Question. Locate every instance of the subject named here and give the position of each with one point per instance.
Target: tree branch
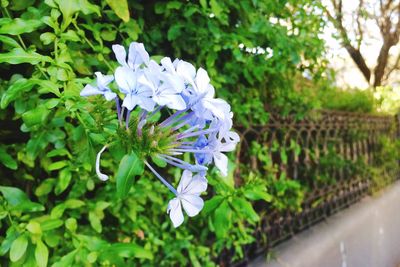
(354, 53)
(389, 39)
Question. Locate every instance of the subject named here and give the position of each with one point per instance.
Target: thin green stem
(56, 49)
(18, 36)
(81, 120)
(91, 45)
(23, 43)
(108, 64)
(9, 218)
(43, 73)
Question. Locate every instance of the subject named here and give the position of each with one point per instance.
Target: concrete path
(365, 235)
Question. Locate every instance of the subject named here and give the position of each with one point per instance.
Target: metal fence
(336, 150)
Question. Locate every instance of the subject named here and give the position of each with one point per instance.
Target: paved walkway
(365, 235)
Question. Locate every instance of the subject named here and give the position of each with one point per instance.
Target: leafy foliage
(53, 209)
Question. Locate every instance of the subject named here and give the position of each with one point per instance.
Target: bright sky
(348, 74)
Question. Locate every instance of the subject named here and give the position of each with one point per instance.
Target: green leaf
(34, 227)
(41, 254)
(174, 5)
(18, 200)
(63, 181)
(120, 7)
(7, 160)
(216, 8)
(245, 209)
(51, 103)
(18, 248)
(21, 5)
(67, 260)
(50, 224)
(35, 116)
(36, 145)
(212, 204)
(74, 203)
(222, 219)
(129, 167)
(203, 4)
(58, 210)
(70, 35)
(88, 8)
(15, 90)
(95, 221)
(18, 26)
(58, 152)
(19, 55)
(45, 187)
(174, 31)
(109, 35)
(128, 250)
(283, 155)
(9, 41)
(48, 87)
(71, 224)
(12, 234)
(257, 194)
(57, 165)
(92, 257)
(47, 38)
(68, 8)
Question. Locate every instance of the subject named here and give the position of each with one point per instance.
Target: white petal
(221, 162)
(192, 204)
(161, 100)
(126, 79)
(130, 101)
(103, 80)
(197, 185)
(228, 146)
(233, 136)
(137, 55)
(202, 80)
(144, 91)
(185, 180)
(167, 64)
(101, 176)
(175, 212)
(173, 83)
(220, 108)
(144, 81)
(175, 102)
(146, 103)
(89, 90)
(175, 62)
(210, 91)
(120, 54)
(110, 95)
(186, 70)
(203, 112)
(154, 67)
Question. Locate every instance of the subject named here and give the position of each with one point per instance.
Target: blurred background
(314, 88)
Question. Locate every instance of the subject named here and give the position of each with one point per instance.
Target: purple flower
(102, 87)
(200, 125)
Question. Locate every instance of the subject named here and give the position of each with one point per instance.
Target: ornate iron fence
(329, 153)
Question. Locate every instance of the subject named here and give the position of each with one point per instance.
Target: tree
(355, 29)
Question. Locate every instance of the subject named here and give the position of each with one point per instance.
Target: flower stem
(170, 119)
(128, 115)
(170, 187)
(186, 135)
(118, 108)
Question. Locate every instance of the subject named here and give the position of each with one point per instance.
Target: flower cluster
(200, 124)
